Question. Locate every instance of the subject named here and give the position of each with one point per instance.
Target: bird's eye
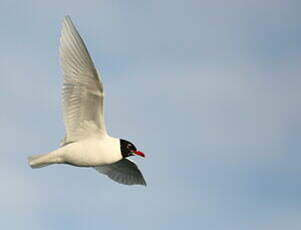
(129, 146)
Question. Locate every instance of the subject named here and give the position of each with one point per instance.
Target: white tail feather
(38, 161)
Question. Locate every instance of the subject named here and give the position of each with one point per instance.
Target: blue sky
(209, 90)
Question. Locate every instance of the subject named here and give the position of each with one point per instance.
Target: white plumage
(87, 143)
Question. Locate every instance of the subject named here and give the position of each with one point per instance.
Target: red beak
(139, 153)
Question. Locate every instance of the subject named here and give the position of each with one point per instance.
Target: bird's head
(128, 149)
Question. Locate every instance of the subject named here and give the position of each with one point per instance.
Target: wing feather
(124, 172)
(82, 89)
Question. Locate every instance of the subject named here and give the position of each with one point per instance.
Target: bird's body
(90, 152)
(87, 143)
(93, 151)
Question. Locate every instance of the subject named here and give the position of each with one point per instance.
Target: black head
(128, 149)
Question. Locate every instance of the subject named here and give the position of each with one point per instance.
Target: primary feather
(82, 90)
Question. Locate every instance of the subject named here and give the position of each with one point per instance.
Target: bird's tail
(38, 161)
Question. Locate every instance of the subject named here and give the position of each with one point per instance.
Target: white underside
(90, 152)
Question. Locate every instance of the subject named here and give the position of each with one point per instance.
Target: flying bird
(87, 143)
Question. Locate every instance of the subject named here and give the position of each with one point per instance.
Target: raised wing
(82, 89)
(123, 172)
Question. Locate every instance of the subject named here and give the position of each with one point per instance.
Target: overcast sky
(209, 90)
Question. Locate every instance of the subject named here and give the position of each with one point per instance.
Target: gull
(87, 142)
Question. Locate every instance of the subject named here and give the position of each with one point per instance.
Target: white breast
(93, 151)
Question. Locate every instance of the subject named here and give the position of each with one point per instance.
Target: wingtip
(143, 183)
(67, 21)
(67, 17)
